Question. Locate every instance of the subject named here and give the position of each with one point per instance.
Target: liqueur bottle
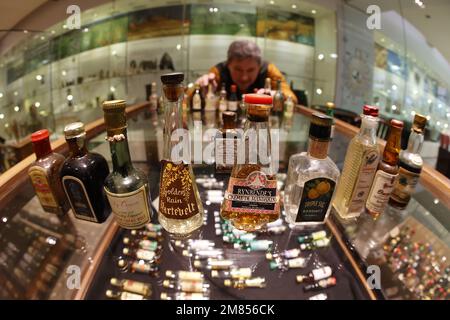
(360, 165)
(410, 164)
(126, 187)
(251, 199)
(289, 107)
(139, 266)
(210, 99)
(315, 275)
(123, 295)
(226, 143)
(187, 285)
(312, 177)
(196, 104)
(387, 172)
(144, 289)
(83, 174)
(278, 101)
(185, 275)
(233, 99)
(180, 208)
(223, 104)
(45, 174)
(258, 282)
(268, 86)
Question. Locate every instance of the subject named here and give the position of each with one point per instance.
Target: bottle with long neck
(126, 187)
(410, 164)
(387, 171)
(233, 99)
(180, 208)
(278, 101)
(196, 102)
(82, 177)
(360, 165)
(223, 104)
(210, 100)
(268, 86)
(44, 174)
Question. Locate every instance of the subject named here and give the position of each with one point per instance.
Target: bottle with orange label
(252, 199)
(44, 174)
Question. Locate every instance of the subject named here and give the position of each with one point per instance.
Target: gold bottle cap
(169, 273)
(164, 296)
(74, 130)
(121, 263)
(419, 123)
(114, 281)
(115, 118)
(227, 283)
(330, 105)
(126, 240)
(197, 264)
(186, 253)
(269, 256)
(166, 283)
(126, 250)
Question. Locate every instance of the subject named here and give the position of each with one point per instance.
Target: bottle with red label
(251, 199)
(45, 174)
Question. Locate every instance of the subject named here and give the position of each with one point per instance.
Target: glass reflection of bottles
(210, 100)
(227, 143)
(360, 165)
(126, 187)
(253, 177)
(278, 101)
(45, 174)
(223, 104)
(312, 177)
(82, 177)
(196, 104)
(383, 183)
(132, 286)
(180, 208)
(233, 100)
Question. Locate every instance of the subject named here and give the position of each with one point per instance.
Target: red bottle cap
(258, 99)
(233, 88)
(40, 135)
(396, 123)
(370, 111)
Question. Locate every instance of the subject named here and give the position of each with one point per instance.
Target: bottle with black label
(82, 176)
(311, 177)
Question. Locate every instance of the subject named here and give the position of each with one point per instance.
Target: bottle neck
(77, 146)
(318, 149)
(258, 143)
(120, 154)
(393, 146)
(369, 129)
(415, 142)
(42, 148)
(173, 119)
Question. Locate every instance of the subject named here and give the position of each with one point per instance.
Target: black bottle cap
(320, 128)
(172, 78)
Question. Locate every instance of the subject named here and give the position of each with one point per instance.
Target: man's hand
(206, 79)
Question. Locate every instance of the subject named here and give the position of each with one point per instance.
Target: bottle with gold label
(311, 177)
(410, 165)
(44, 174)
(144, 289)
(180, 208)
(126, 187)
(82, 177)
(383, 183)
(360, 165)
(251, 199)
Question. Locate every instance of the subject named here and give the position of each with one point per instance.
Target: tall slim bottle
(180, 208)
(360, 165)
(410, 164)
(126, 187)
(278, 101)
(44, 174)
(387, 171)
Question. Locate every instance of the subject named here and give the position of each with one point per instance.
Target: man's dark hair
(243, 49)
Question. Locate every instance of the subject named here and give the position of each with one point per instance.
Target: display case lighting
(5, 219)
(63, 73)
(394, 107)
(178, 46)
(446, 126)
(37, 104)
(1, 95)
(333, 55)
(42, 38)
(294, 6)
(112, 89)
(448, 115)
(394, 87)
(428, 118)
(313, 11)
(413, 113)
(429, 101)
(39, 77)
(438, 123)
(319, 91)
(85, 29)
(16, 93)
(2, 116)
(16, 108)
(70, 97)
(321, 56)
(6, 125)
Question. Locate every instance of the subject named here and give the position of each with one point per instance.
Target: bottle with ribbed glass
(126, 187)
(410, 165)
(180, 208)
(360, 165)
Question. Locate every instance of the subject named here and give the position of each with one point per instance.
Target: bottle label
(225, 152)
(364, 181)
(148, 245)
(191, 286)
(382, 187)
(255, 195)
(223, 105)
(136, 287)
(145, 255)
(177, 195)
(131, 210)
(190, 275)
(315, 201)
(196, 102)
(41, 186)
(232, 105)
(130, 296)
(404, 185)
(322, 273)
(141, 267)
(297, 263)
(78, 198)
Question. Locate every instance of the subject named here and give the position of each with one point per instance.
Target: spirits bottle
(322, 284)
(126, 187)
(45, 174)
(227, 143)
(289, 107)
(278, 101)
(361, 162)
(233, 99)
(286, 264)
(268, 86)
(144, 234)
(196, 104)
(144, 289)
(410, 165)
(139, 266)
(330, 113)
(183, 296)
(223, 104)
(246, 283)
(123, 295)
(150, 245)
(83, 174)
(236, 273)
(187, 285)
(141, 254)
(185, 275)
(312, 177)
(214, 264)
(251, 199)
(318, 235)
(153, 98)
(210, 100)
(315, 275)
(287, 254)
(316, 244)
(255, 245)
(387, 172)
(180, 208)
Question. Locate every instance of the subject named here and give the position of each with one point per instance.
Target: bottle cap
(233, 88)
(126, 250)
(419, 123)
(186, 253)
(109, 293)
(114, 281)
(74, 130)
(172, 78)
(166, 283)
(370, 111)
(269, 256)
(197, 264)
(227, 283)
(214, 274)
(122, 263)
(126, 240)
(320, 127)
(396, 123)
(40, 135)
(115, 118)
(300, 278)
(169, 273)
(164, 296)
(330, 105)
(258, 99)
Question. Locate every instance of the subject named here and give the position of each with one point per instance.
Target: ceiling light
(37, 104)
(313, 11)
(39, 77)
(16, 108)
(319, 91)
(2, 116)
(294, 6)
(70, 97)
(321, 56)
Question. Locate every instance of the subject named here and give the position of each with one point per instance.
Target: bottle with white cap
(315, 275)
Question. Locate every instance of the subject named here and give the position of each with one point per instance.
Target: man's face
(243, 72)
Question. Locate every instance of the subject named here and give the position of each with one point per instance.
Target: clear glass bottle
(360, 165)
(210, 100)
(196, 103)
(278, 101)
(233, 100)
(226, 143)
(251, 199)
(387, 172)
(311, 177)
(45, 174)
(268, 86)
(83, 174)
(223, 104)
(289, 107)
(144, 289)
(410, 165)
(180, 208)
(126, 187)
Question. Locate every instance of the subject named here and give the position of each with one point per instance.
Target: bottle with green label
(312, 177)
